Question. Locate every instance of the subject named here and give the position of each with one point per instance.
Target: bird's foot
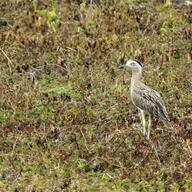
(147, 137)
(143, 132)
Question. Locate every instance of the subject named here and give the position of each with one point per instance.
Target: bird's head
(134, 65)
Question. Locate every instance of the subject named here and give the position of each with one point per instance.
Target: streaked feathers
(146, 99)
(149, 101)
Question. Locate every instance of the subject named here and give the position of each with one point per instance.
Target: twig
(118, 147)
(155, 150)
(14, 145)
(62, 68)
(84, 139)
(9, 61)
(84, 124)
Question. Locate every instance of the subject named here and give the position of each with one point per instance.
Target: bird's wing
(150, 101)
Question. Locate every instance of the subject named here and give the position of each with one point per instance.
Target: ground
(67, 122)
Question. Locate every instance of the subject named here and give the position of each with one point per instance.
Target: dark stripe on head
(138, 62)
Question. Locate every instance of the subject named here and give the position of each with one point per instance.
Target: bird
(146, 100)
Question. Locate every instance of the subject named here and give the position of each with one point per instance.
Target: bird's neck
(136, 76)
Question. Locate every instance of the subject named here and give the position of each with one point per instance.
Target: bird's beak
(121, 66)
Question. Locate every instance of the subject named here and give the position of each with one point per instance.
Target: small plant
(53, 20)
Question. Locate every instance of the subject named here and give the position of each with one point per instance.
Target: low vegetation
(66, 119)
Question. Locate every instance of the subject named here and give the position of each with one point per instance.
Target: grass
(66, 117)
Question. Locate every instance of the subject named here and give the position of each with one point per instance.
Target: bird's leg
(143, 122)
(149, 127)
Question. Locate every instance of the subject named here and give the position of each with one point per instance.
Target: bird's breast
(135, 99)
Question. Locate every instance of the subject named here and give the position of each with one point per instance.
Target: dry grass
(67, 122)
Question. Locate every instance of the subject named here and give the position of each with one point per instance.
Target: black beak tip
(121, 66)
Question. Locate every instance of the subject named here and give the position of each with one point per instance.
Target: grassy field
(66, 118)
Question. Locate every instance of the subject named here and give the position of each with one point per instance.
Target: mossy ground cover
(66, 117)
